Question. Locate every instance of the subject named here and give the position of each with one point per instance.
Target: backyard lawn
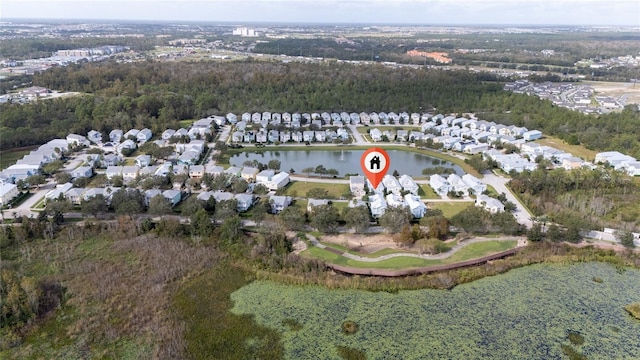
(300, 188)
(449, 209)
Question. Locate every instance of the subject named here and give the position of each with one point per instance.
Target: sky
(427, 12)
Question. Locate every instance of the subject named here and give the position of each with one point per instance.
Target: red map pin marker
(375, 163)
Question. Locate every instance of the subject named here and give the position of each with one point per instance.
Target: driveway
(500, 184)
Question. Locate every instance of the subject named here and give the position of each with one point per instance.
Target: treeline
(581, 198)
(158, 94)
(20, 49)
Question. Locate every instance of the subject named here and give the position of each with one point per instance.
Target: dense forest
(158, 94)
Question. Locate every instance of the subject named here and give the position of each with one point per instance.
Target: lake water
(345, 161)
(526, 313)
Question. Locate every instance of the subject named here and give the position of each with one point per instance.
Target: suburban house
(174, 196)
(392, 184)
(356, 185)
(222, 196)
(316, 202)
(74, 195)
(456, 184)
(376, 134)
(572, 162)
(264, 176)
(532, 135)
(474, 184)
(408, 184)
(490, 204)
(94, 136)
(129, 173)
(113, 171)
(279, 203)
(131, 134)
(143, 160)
(196, 171)
(7, 193)
(439, 184)
(377, 205)
(77, 140)
(115, 135)
(278, 181)
(244, 202)
(416, 206)
(82, 172)
(249, 173)
(233, 170)
(613, 158)
(55, 193)
(395, 200)
(128, 144)
(144, 135)
(168, 134)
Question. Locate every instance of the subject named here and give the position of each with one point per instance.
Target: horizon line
(233, 22)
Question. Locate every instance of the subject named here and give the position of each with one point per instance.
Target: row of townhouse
(619, 161)
(31, 164)
(378, 204)
(77, 195)
(466, 184)
(325, 118)
(389, 184)
(272, 136)
(244, 201)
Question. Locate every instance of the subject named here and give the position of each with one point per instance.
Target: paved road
(358, 139)
(521, 242)
(25, 208)
(500, 184)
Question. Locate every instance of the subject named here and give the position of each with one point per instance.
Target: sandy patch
(363, 243)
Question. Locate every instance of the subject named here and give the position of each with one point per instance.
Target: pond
(527, 313)
(345, 161)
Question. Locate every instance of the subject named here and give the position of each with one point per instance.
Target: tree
(63, 177)
(259, 212)
(404, 238)
(395, 218)
(127, 202)
(159, 205)
(226, 209)
(307, 171)
(572, 234)
(94, 205)
(535, 233)
(292, 218)
(554, 233)
(472, 219)
(239, 185)
(625, 238)
(56, 209)
(191, 206)
(357, 218)
(230, 230)
(274, 164)
(318, 193)
(260, 189)
(325, 218)
(36, 180)
(438, 226)
(201, 224)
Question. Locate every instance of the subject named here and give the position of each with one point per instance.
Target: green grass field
(300, 188)
(450, 209)
(575, 150)
(427, 192)
(471, 251)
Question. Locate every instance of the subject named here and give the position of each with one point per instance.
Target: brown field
(617, 89)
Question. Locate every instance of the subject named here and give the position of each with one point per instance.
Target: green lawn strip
(186, 123)
(449, 209)
(300, 188)
(480, 249)
(472, 251)
(9, 157)
(366, 129)
(427, 192)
